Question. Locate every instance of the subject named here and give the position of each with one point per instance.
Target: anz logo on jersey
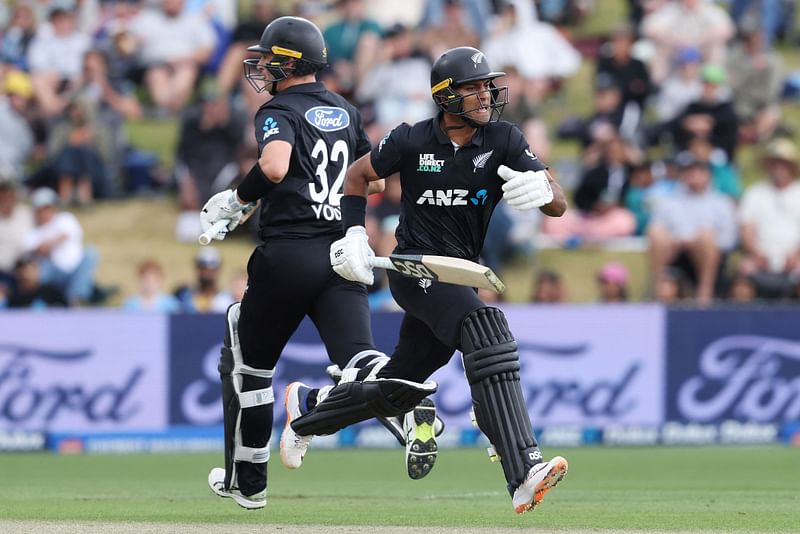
(452, 197)
(327, 118)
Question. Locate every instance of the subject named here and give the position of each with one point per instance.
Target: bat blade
(446, 269)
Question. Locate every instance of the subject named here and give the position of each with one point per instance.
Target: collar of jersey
(312, 87)
(476, 140)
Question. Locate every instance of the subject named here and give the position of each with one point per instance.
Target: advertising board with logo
(733, 365)
(82, 371)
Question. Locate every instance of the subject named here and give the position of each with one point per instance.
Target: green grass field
(733, 489)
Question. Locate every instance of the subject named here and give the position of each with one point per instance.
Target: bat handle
(206, 237)
(382, 262)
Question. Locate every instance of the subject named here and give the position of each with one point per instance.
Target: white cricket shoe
(294, 446)
(419, 426)
(541, 478)
(216, 481)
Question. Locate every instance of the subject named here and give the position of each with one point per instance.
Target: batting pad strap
(242, 369)
(257, 397)
(254, 455)
(365, 357)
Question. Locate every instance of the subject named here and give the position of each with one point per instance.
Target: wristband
(255, 185)
(354, 211)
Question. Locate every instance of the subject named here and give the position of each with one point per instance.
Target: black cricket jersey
(449, 194)
(327, 135)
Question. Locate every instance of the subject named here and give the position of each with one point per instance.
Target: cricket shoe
(216, 481)
(541, 478)
(293, 445)
(421, 448)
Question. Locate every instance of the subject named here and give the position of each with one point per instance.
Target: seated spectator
(770, 17)
(670, 286)
(16, 222)
(150, 296)
(630, 74)
(74, 147)
(29, 291)
(548, 288)
(681, 23)
(354, 43)
(205, 296)
(742, 289)
(599, 214)
(607, 118)
(693, 230)
(711, 117)
(680, 88)
(649, 184)
(17, 36)
(770, 223)
(518, 35)
(173, 46)
(108, 103)
(477, 14)
(17, 141)
(519, 107)
(451, 31)
(724, 174)
(399, 84)
(57, 244)
(612, 283)
(229, 79)
(114, 38)
(208, 143)
(756, 77)
(55, 57)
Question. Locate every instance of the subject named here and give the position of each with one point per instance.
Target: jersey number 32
(323, 192)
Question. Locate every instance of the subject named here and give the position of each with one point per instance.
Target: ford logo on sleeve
(328, 119)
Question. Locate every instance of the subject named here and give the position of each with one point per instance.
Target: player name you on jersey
(428, 163)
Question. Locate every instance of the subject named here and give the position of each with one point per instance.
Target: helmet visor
(482, 106)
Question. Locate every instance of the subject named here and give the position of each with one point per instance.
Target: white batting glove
(525, 190)
(350, 256)
(223, 206)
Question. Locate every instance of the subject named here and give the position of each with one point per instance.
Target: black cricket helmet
(297, 47)
(458, 66)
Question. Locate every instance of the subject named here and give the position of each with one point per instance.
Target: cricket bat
(442, 268)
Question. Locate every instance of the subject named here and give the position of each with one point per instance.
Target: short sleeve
(520, 157)
(386, 157)
(362, 141)
(274, 125)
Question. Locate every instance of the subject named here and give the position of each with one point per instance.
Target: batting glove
(351, 255)
(223, 206)
(525, 190)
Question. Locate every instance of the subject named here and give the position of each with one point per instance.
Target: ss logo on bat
(412, 268)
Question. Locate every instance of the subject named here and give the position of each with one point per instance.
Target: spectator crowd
(676, 90)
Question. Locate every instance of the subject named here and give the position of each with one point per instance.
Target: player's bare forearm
(360, 178)
(558, 205)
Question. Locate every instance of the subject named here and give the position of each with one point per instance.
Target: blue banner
(195, 342)
(740, 365)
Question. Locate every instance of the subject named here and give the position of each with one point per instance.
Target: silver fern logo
(425, 283)
(477, 58)
(480, 160)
